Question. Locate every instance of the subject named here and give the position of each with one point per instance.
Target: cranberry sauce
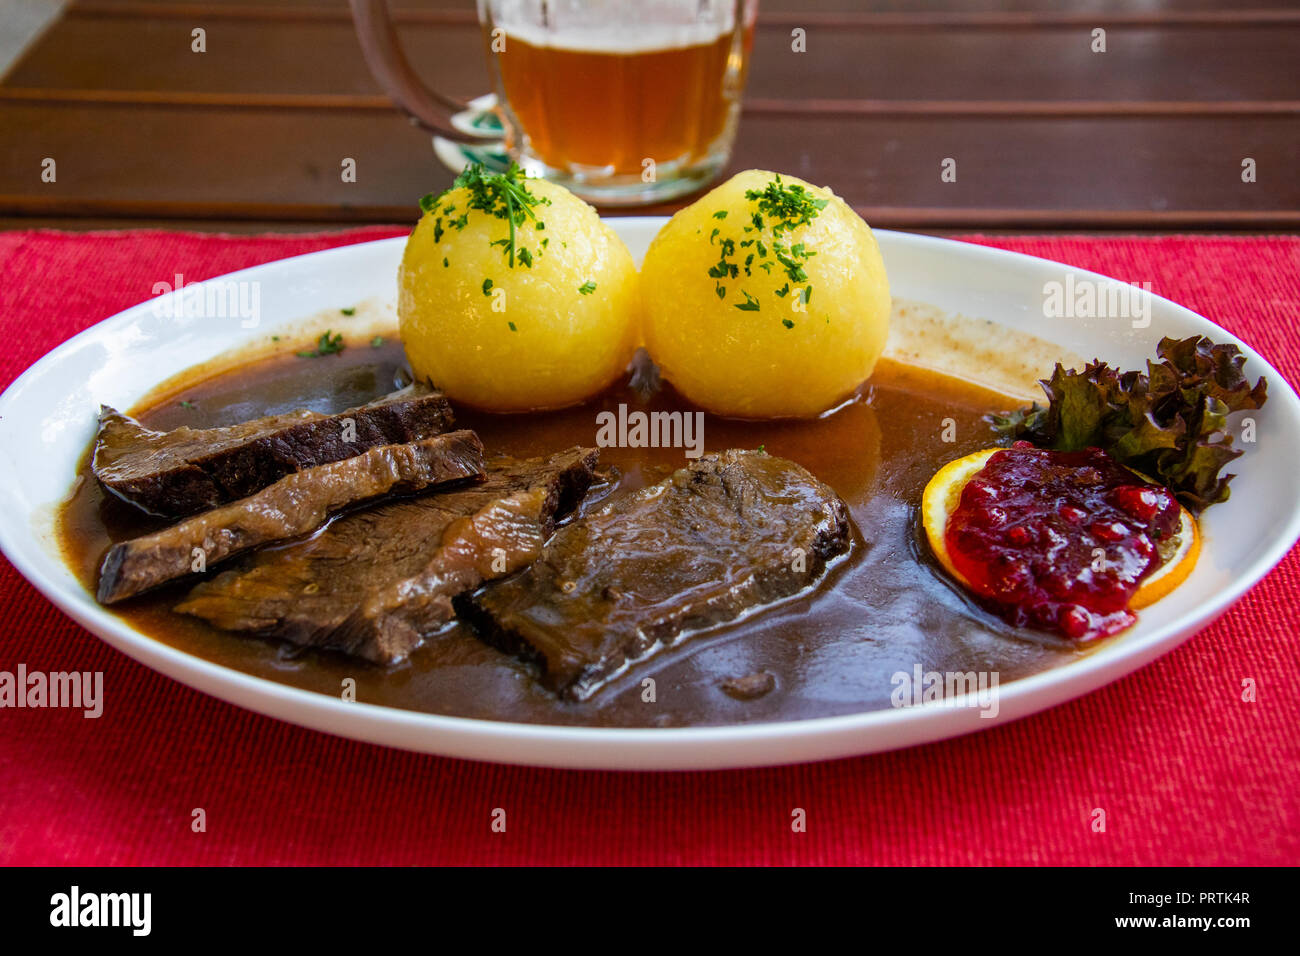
(1059, 540)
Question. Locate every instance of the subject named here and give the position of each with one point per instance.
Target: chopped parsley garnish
(501, 195)
(512, 327)
(327, 344)
(781, 209)
(377, 342)
(788, 206)
(350, 311)
(793, 267)
(587, 288)
(787, 323)
(185, 403)
(487, 286)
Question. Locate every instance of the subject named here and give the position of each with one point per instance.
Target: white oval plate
(47, 418)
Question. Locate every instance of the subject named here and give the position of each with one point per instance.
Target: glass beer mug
(621, 101)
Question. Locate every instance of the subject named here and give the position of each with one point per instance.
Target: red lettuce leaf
(1169, 423)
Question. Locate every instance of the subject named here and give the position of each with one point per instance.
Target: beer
(623, 102)
(605, 102)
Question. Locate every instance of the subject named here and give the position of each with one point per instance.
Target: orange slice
(943, 493)
(1179, 564)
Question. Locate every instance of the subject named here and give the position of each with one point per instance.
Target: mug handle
(393, 72)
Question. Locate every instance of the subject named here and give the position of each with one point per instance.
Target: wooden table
(1047, 134)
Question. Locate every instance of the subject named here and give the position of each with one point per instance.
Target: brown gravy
(882, 610)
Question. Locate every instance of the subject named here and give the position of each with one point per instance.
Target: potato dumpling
(766, 298)
(513, 295)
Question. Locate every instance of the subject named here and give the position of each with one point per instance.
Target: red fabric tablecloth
(1186, 772)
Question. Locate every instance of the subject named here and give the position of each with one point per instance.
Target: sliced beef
(376, 583)
(732, 532)
(187, 470)
(293, 506)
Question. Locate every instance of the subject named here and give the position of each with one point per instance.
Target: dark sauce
(883, 610)
(1060, 540)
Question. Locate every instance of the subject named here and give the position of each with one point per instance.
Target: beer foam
(618, 39)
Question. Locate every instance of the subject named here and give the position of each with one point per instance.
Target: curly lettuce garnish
(1169, 423)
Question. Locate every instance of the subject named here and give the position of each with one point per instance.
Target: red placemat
(1186, 771)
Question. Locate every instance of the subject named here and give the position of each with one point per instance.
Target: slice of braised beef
(293, 506)
(377, 582)
(731, 532)
(181, 472)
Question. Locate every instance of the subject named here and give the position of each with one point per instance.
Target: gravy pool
(881, 611)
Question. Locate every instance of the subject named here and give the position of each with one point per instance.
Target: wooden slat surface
(1046, 133)
(1036, 8)
(1184, 65)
